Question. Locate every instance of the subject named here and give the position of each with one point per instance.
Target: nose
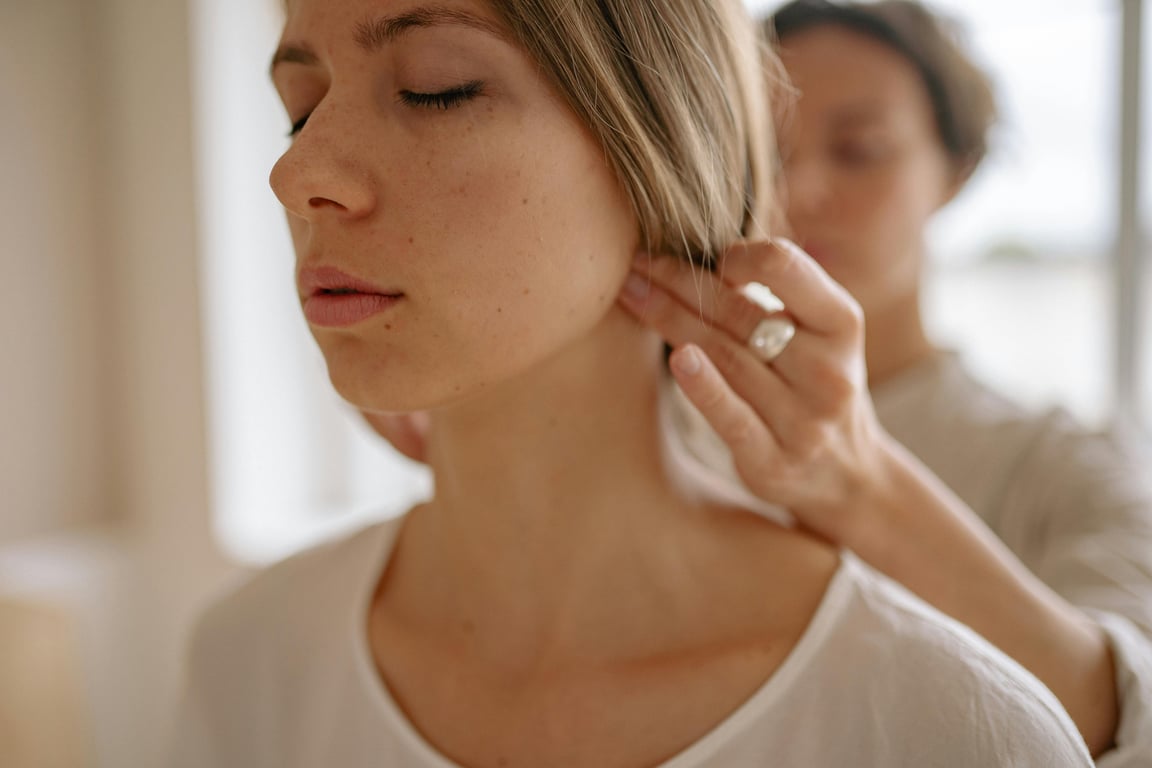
(323, 173)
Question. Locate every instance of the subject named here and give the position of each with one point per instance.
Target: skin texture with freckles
(458, 208)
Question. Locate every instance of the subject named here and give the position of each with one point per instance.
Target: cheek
(888, 206)
(524, 236)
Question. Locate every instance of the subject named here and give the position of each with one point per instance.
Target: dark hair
(961, 94)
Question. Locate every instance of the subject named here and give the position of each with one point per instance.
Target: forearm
(917, 532)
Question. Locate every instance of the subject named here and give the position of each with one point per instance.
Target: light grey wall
(55, 461)
(104, 501)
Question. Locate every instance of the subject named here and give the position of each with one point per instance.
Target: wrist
(875, 502)
(1095, 705)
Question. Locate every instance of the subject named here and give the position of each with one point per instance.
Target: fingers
(816, 301)
(813, 299)
(792, 423)
(704, 309)
(715, 302)
(730, 415)
(814, 377)
(766, 394)
(683, 312)
(829, 321)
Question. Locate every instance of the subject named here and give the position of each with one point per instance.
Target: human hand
(406, 432)
(801, 427)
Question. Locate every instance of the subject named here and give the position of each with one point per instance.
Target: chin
(373, 379)
(394, 384)
(382, 395)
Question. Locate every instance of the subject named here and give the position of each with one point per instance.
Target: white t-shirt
(280, 676)
(1074, 506)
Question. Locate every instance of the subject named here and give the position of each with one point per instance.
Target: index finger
(813, 298)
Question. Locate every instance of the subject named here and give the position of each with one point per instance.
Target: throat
(895, 339)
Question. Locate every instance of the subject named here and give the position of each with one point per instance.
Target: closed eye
(453, 97)
(443, 100)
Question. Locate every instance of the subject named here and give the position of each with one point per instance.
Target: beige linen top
(1073, 505)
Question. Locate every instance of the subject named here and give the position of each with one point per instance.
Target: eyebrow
(373, 34)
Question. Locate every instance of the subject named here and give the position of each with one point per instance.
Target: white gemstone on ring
(762, 296)
(770, 337)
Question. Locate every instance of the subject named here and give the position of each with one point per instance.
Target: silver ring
(770, 337)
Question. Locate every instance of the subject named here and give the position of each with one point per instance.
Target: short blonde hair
(675, 91)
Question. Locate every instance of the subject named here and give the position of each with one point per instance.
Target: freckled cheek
(486, 222)
(500, 197)
(475, 230)
(456, 191)
(515, 237)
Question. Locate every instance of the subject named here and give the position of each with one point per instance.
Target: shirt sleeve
(1084, 508)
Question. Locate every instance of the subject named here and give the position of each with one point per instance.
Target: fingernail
(687, 361)
(636, 287)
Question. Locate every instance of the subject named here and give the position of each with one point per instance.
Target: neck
(559, 450)
(894, 338)
(553, 515)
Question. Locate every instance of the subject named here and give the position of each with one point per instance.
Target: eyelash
(441, 100)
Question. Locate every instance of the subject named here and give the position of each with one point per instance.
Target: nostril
(323, 202)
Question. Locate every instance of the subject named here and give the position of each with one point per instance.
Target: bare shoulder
(780, 575)
(781, 547)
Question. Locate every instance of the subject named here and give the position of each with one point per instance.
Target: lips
(334, 299)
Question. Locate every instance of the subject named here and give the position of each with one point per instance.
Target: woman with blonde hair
(471, 188)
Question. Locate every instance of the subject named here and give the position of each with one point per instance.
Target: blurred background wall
(54, 336)
(104, 520)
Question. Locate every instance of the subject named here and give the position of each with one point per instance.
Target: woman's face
(455, 224)
(864, 168)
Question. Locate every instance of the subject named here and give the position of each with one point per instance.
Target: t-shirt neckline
(836, 595)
